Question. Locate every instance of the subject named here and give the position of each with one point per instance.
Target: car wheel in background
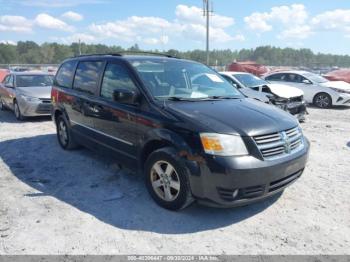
(322, 100)
(18, 113)
(64, 134)
(2, 106)
(166, 179)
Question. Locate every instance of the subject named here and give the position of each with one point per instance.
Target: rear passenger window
(116, 77)
(275, 77)
(64, 76)
(87, 76)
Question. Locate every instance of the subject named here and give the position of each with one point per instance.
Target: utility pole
(79, 47)
(207, 12)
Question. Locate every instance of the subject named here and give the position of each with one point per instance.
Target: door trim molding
(102, 133)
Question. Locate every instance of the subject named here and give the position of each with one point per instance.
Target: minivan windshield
(33, 80)
(182, 80)
(249, 80)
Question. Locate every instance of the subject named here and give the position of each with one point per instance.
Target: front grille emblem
(287, 144)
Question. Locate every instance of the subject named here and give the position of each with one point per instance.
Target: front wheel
(166, 179)
(18, 113)
(323, 100)
(2, 106)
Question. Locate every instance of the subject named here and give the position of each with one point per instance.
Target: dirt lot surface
(57, 202)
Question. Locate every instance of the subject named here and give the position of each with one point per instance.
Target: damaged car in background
(285, 97)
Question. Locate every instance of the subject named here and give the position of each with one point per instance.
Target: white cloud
(189, 24)
(73, 16)
(285, 16)
(297, 32)
(8, 42)
(132, 28)
(18, 24)
(49, 22)
(86, 38)
(258, 22)
(59, 3)
(194, 15)
(338, 19)
(239, 37)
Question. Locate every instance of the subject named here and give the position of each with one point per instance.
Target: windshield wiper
(176, 98)
(222, 97)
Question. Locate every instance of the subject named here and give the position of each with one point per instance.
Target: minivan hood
(245, 117)
(36, 91)
(285, 91)
(337, 84)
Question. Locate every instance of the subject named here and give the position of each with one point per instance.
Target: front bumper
(40, 108)
(343, 99)
(229, 182)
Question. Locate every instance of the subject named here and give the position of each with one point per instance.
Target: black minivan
(193, 135)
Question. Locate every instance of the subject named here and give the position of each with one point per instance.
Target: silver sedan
(27, 94)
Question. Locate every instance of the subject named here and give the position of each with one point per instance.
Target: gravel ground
(57, 202)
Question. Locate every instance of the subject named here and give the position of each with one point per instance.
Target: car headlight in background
(223, 145)
(30, 98)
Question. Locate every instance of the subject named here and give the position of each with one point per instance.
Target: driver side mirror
(9, 86)
(308, 82)
(125, 96)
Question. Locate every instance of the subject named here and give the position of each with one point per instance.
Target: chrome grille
(280, 144)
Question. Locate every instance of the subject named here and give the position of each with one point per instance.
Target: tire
(166, 179)
(322, 100)
(17, 112)
(2, 106)
(64, 134)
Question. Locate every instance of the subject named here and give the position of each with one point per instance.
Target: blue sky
(323, 26)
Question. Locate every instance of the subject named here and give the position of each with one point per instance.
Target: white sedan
(317, 89)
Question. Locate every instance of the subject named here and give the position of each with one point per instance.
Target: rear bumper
(229, 182)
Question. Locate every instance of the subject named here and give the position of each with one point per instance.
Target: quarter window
(115, 77)
(64, 77)
(87, 76)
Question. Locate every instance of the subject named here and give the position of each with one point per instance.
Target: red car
(3, 74)
(339, 75)
(248, 67)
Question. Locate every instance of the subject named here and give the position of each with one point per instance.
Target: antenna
(208, 10)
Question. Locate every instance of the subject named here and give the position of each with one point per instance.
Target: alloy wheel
(63, 132)
(322, 101)
(165, 181)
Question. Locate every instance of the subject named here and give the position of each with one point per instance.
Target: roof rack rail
(146, 53)
(111, 54)
(121, 53)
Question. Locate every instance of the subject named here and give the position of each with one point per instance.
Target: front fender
(167, 137)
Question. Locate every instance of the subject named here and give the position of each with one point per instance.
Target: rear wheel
(167, 179)
(18, 113)
(64, 134)
(323, 100)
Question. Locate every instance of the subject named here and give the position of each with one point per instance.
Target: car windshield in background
(250, 80)
(33, 80)
(315, 78)
(171, 79)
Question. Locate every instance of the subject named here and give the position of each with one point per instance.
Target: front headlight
(30, 98)
(341, 91)
(223, 145)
